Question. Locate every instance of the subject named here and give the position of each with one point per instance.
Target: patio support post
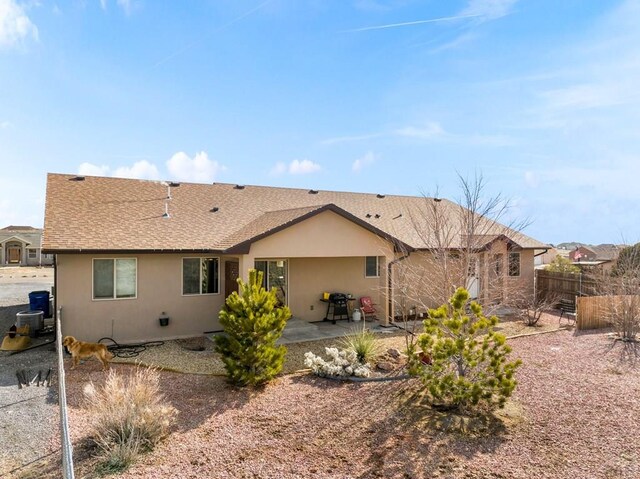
(246, 262)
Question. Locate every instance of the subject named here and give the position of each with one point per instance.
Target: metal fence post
(65, 440)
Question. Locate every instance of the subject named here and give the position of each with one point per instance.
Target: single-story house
(130, 251)
(20, 246)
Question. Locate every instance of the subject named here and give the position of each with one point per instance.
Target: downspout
(390, 285)
(535, 275)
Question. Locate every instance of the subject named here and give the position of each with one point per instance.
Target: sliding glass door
(275, 273)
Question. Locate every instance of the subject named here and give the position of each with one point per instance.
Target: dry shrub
(128, 416)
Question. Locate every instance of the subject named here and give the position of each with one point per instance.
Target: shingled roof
(114, 214)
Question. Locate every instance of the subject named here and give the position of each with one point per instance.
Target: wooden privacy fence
(564, 285)
(594, 312)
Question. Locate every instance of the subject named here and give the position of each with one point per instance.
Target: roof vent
(77, 178)
(377, 215)
(380, 196)
(238, 187)
(173, 184)
(368, 215)
(396, 217)
(437, 200)
(313, 192)
(215, 209)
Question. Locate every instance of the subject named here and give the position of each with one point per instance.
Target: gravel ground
(574, 414)
(28, 416)
(196, 355)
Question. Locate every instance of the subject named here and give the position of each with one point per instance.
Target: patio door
(275, 275)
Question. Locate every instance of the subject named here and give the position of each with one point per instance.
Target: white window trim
(35, 253)
(191, 295)
(93, 298)
(377, 267)
(509, 265)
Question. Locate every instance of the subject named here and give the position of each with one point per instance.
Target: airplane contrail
(417, 22)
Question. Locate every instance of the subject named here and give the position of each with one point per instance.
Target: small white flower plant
(341, 363)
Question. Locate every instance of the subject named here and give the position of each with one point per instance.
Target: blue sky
(542, 97)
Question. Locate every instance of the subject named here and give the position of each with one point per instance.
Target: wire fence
(65, 440)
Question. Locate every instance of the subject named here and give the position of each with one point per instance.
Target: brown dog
(81, 350)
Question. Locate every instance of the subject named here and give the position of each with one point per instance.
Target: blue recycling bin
(39, 300)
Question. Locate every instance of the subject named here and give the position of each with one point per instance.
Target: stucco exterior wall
(159, 289)
(326, 235)
(310, 277)
(416, 279)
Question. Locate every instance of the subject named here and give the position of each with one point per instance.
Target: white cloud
(126, 5)
(303, 167)
(199, 169)
(430, 130)
(488, 9)
(15, 25)
(142, 170)
(90, 169)
(278, 169)
(366, 160)
(296, 167)
(4, 124)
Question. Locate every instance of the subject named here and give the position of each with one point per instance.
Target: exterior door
(14, 255)
(472, 279)
(231, 273)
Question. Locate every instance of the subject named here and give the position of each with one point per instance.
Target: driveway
(28, 416)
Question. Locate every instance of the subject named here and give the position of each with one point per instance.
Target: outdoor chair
(568, 310)
(367, 307)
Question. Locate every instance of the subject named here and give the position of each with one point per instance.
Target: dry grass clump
(128, 416)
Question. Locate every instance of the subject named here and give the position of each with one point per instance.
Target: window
(372, 267)
(200, 276)
(32, 253)
(514, 264)
(114, 278)
(275, 275)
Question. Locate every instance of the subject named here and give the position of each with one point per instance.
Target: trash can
(35, 320)
(40, 300)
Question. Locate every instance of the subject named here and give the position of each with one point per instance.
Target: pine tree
(468, 367)
(252, 324)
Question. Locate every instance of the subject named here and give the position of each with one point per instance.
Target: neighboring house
(582, 253)
(595, 259)
(128, 251)
(20, 246)
(546, 257)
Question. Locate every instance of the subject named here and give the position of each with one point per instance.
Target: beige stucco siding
(324, 235)
(326, 253)
(159, 289)
(310, 277)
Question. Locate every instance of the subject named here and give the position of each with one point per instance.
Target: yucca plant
(362, 342)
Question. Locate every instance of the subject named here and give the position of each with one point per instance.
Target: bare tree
(622, 289)
(467, 245)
